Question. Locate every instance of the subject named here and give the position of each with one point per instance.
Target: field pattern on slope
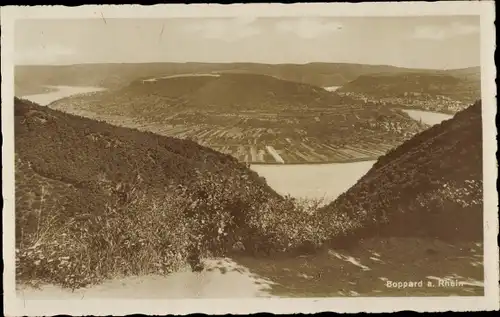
(245, 114)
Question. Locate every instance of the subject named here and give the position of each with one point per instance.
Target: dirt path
(443, 269)
(222, 278)
(366, 269)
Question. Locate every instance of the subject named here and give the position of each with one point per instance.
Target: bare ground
(362, 271)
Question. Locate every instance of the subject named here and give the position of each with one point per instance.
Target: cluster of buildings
(405, 128)
(417, 100)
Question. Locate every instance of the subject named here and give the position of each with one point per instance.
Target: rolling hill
(255, 118)
(234, 92)
(27, 77)
(442, 92)
(430, 186)
(94, 200)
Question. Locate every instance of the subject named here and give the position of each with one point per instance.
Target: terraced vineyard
(255, 118)
(279, 151)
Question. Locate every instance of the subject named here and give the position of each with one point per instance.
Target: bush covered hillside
(95, 200)
(429, 186)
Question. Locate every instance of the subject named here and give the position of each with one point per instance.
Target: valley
(257, 119)
(311, 143)
(307, 174)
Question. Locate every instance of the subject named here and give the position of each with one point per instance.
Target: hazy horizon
(195, 62)
(440, 42)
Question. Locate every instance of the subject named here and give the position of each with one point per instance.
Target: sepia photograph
(207, 153)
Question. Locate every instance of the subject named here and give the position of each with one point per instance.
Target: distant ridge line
(245, 63)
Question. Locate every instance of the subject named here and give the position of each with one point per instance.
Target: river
(226, 278)
(428, 117)
(60, 92)
(315, 181)
(327, 181)
(331, 88)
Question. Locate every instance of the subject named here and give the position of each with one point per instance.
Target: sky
(441, 42)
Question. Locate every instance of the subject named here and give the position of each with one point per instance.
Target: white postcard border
(16, 306)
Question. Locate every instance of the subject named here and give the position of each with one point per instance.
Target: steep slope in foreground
(255, 118)
(429, 186)
(448, 92)
(94, 200)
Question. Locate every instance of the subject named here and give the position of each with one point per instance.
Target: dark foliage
(95, 200)
(98, 195)
(429, 186)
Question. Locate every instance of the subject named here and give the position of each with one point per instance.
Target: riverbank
(327, 162)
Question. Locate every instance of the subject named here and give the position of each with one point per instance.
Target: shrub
(144, 236)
